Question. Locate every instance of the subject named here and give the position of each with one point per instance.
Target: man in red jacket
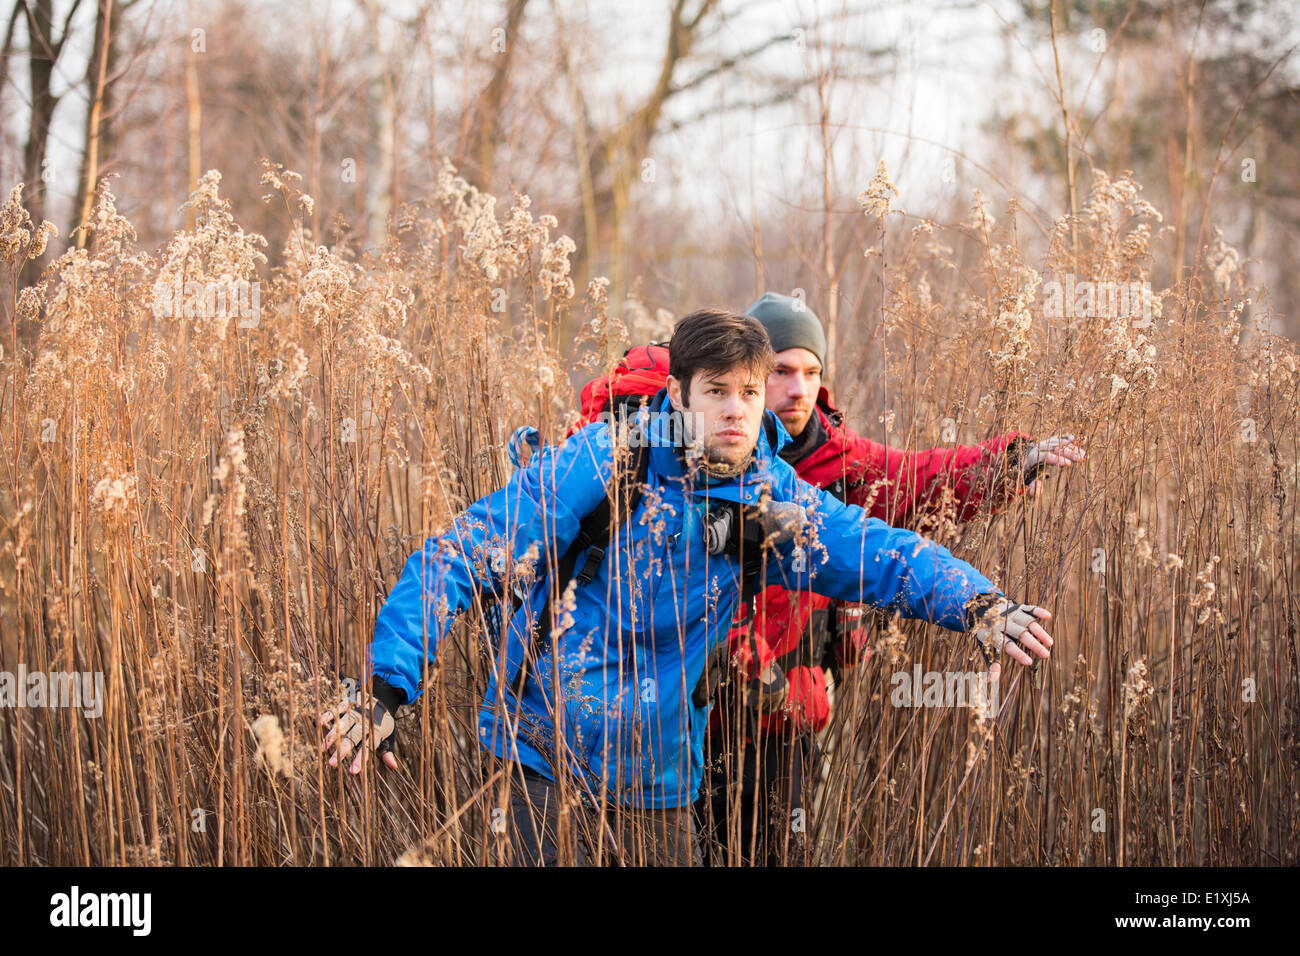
(800, 635)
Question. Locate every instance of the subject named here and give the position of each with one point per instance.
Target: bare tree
(44, 49)
(485, 111)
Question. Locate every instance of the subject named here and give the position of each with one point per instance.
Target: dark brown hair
(715, 340)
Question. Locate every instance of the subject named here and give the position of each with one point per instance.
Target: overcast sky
(949, 66)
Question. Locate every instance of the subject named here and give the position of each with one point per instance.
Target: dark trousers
(584, 835)
(756, 801)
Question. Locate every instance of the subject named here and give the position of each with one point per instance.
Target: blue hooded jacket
(634, 642)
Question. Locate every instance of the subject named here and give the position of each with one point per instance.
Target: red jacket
(911, 486)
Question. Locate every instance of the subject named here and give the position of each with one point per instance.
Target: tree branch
(731, 61)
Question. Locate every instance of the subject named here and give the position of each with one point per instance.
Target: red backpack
(640, 373)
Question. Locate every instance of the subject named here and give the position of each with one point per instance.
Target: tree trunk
(194, 115)
(40, 66)
(487, 126)
(90, 163)
(379, 175)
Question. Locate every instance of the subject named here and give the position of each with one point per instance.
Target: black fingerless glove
(1015, 458)
(388, 695)
(978, 605)
(390, 698)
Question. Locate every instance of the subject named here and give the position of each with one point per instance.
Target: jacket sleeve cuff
(388, 695)
(1015, 454)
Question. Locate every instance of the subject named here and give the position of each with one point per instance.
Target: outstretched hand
(1013, 629)
(352, 731)
(1059, 450)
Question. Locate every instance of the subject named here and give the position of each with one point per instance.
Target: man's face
(792, 388)
(725, 410)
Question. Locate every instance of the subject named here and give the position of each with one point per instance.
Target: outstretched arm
(900, 486)
(539, 511)
(846, 554)
(528, 523)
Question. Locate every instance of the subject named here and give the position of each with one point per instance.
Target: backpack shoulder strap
(598, 527)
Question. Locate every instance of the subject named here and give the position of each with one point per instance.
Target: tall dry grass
(184, 511)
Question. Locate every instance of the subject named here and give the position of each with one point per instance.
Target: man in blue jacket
(591, 700)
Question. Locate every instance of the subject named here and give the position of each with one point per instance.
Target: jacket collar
(826, 407)
(667, 460)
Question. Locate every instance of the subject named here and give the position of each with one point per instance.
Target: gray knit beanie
(790, 324)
